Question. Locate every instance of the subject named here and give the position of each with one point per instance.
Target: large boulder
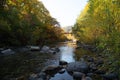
(78, 66)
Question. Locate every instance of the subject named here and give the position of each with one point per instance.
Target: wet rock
(52, 69)
(51, 51)
(63, 63)
(45, 48)
(88, 78)
(78, 75)
(55, 49)
(7, 52)
(78, 66)
(62, 71)
(110, 76)
(34, 48)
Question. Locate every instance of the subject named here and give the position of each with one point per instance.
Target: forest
(99, 25)
(27, 22)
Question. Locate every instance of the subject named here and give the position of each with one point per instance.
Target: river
(68, 53)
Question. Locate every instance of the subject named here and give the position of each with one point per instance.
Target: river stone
(51, 51)
(52, 69)
(7, 52)
(78, 75)
(45, 48)
(88, 78)
(62, 71)
(77, 66)
(34, 48)
(63, 63)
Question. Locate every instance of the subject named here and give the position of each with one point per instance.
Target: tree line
(99, 25)
(27, 22)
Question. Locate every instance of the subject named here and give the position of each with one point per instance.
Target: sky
(65, 11)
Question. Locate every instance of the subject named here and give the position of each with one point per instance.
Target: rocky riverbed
(20, 63)
(63, 63)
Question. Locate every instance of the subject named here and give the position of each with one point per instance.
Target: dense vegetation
(27, 22)
(99, 25)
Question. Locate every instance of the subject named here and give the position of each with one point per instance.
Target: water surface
(67, 53)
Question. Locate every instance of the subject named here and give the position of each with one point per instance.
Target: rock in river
(52, 69)
(63, 63)
(78, 66)
(78, 75)
(7, 52)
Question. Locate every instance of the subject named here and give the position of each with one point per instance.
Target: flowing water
(67, 53)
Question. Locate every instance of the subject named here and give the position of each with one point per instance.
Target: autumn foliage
(27, 22)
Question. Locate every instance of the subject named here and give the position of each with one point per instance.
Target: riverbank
(21, 65)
